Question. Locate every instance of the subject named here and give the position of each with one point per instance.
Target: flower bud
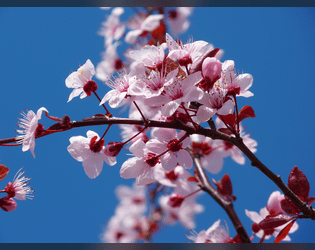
(90, 87)
(211, 71)
(8, 204)
(112, 149)
(175, 200)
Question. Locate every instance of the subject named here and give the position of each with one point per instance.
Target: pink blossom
(177, 92)
(211, 71)
(217, 233)
(151, 56)
(237, 84)
(178, 20)
(273, 203)
(214, 102)
(184, 54)
(110, 63)
(78, 79)
(183, 214)
(166, 142)
(211, 152)
(120, 89)
(141, 24)
(141, 166)
(232, 150)
(31, 129)
(112, 28)
(90, 151)
(20, 188)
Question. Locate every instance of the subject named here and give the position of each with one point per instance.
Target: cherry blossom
(120, 89)
(141, 166)
(110, 63)
(232, 150)
(217, 233)
(141, 24)
(214, 102)
(272, 207)
(183, 214)
(20, 188)
(184, 54)
(176, 93)
(211, 152)
(151, 56)
(178, 20)
(81, 78)
(236, 84)
(112, 28)
(31, 128)
(167, 143)
(90, 151)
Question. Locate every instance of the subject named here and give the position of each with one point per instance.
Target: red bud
(175, 200)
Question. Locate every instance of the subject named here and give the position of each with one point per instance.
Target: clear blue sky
(40, 47)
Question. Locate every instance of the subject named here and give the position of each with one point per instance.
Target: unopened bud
(8, 204)
(90, 87)
(112, 149)
(211, 71)
(176, 200)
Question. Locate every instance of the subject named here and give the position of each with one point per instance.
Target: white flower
(90, 151)
(178, 20)
(79, 78)
(31, 129)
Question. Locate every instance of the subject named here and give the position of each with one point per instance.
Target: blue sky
(40, 47)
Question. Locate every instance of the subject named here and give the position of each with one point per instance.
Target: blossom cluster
(162, 79)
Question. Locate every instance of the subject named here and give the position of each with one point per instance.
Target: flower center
(96, 146)
(152, 159)
(174, 146)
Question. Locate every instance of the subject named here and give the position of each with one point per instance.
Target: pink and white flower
(90, 151)
(184, 54)
(178, 20)
(237, 84)
(110, 63)
(217, 233)
(232, 150)
(141, 166)
(166, 142)
(184, 213)
(112, 28)
(20, 188)
(273, 206)
(177, 92)
(141, 24)
(211, 152)
(78, 79)
(120, 89)
(31, 129)
(214, 102)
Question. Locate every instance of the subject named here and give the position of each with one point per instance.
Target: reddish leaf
(3, 171)
(289, 207)
(224, 187)
(245, 112)
(192, 179)
(271, 222)
(284, 232)
(298, 183)
(228, 119)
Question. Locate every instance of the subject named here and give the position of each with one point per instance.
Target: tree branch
(226, 205)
